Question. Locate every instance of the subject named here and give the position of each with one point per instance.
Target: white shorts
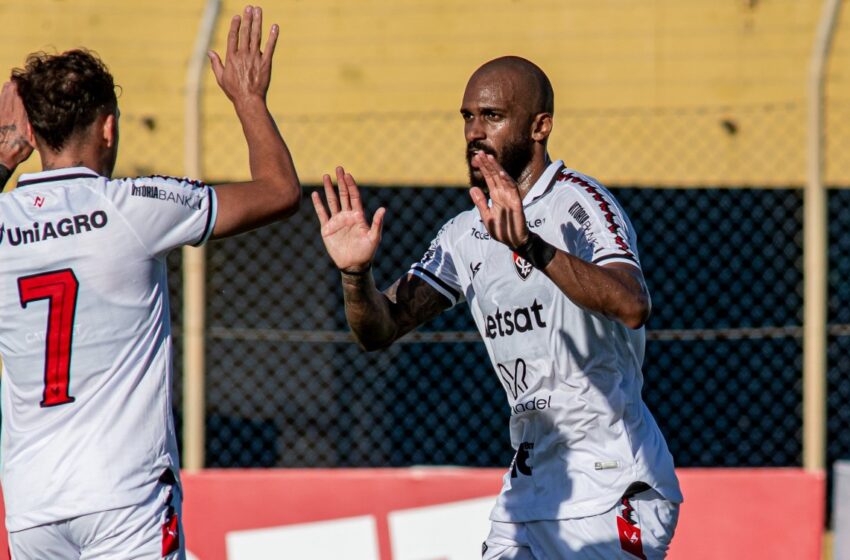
(151, 529)
(639, 527)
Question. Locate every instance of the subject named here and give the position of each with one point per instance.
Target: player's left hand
(15, 146)
(505, 218)
(246, 72)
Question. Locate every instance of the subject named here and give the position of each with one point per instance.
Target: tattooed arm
(379, 319)
(376, 319)
(14, 144)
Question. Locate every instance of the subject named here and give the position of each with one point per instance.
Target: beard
(514, 159)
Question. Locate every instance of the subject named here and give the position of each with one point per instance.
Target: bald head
(531, 85)
(507, 112)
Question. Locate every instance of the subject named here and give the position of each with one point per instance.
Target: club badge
(522, 267)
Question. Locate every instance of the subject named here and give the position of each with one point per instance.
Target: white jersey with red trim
(85, 338)
(581, 431)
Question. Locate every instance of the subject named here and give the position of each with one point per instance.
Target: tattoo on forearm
(415, 302)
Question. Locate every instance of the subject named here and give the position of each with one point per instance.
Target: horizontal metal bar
(741, 333)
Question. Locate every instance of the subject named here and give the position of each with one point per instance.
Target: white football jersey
(581, 431)
(85, 338)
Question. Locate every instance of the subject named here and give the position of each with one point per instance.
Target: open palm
(505, 218)
(349, 239)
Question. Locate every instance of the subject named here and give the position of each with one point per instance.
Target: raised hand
(349, 239)
(246, 71)
(505, 218)
(15, 146)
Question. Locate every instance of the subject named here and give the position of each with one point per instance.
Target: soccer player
(90, 466)
(548, 264)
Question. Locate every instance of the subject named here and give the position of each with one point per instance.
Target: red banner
(441, 514)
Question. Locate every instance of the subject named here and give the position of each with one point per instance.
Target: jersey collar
(64, 174)
(544, 183)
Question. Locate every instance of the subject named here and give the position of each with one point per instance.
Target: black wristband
(358, 273)
(5, 173)
(536, 251)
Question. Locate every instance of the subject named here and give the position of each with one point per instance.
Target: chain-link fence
(287, 387)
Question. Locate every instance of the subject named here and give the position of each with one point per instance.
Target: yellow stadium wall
(657, 93)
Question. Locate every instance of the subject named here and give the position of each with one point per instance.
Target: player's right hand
(349, 239)
(246, 71)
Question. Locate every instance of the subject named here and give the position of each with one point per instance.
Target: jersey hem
(609, 259)
(587, 508)
(34, 518)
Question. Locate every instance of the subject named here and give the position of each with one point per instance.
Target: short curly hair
(64, 93)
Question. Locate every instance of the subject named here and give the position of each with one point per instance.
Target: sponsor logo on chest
(516, 320)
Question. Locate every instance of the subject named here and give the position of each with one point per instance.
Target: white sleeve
(166, 212)
(437, 268)
(594, 226)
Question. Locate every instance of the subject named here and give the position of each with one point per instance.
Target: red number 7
(59, 287)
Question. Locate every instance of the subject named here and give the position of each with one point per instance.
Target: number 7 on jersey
(59, 287)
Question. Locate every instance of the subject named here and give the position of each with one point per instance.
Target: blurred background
(693, 112)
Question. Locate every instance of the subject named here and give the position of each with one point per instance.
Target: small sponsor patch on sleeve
(190, 198)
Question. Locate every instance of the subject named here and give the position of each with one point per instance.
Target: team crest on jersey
(522, 266)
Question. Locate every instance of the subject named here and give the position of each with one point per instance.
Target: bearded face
(497, 121)
(514, 156)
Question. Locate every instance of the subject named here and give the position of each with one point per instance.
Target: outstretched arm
(616, 290)
(14, 145)
(377, 319)
(274, 191)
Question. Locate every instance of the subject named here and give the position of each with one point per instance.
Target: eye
(492, 116)
(467, 116)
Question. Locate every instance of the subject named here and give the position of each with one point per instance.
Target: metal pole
(815, 262)
(194, 260)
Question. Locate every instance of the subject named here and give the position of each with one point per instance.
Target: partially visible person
(15, 146)
(90, 463)
(548, 263)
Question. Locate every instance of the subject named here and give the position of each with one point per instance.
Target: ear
(30, 135)
(110, 130)
(541, 127)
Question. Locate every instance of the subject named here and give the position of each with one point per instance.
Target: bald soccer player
(548, 263)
